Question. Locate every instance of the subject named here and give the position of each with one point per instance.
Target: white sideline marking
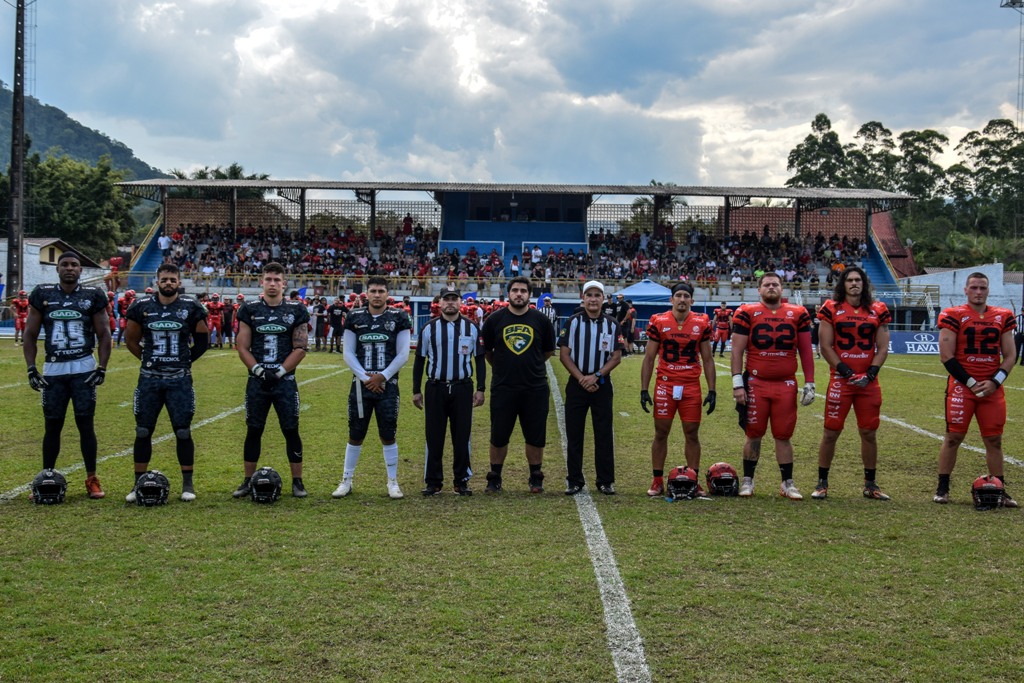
(623, 413)
(931, 374)
(933, 435)
(624, 639)
(18, 490)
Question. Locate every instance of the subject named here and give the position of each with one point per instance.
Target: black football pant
(447, 403)
(577, 402)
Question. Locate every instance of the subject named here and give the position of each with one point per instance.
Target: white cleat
(188, 496)
(787, 489)
(130, 498)
(344, 488)
(394, 491)
(747, 487)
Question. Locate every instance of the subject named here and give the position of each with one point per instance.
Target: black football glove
(645, 400)
(35, 379)
(96, 377)
(710, 401)
(741, 409)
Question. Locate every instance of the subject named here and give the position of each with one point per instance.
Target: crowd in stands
(220, 254)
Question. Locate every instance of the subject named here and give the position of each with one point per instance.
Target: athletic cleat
(606, 489)
(871, 490)
(493, 483)
(431, 490)
(243, 489)
(747, 487)
(298, 490)
(788, 489)
(821, 490)
(701, 494)
(93, 488)
(463, 489)
(536, 482)
(573, 489)
(941, 497)
(394, 491)
(657, 487)
(1007, 501)
(344, 488)
(188, 495)
(130, 498)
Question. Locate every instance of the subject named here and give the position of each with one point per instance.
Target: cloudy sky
(709, 92)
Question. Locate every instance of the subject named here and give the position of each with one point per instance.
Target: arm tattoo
(300, 337)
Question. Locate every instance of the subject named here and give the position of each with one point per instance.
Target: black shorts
(283, 395)
(529, 405)
(153, 393)
(63, 389)
(385, 405)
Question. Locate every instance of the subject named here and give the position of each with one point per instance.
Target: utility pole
(15, 225)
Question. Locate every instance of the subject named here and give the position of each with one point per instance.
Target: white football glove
(807, 395)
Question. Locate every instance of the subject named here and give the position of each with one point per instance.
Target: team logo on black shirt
(518, 338)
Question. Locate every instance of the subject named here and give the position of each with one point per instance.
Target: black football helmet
(49, 487)
(723, 480)
(682, 483)
(152, 488)
(265, 486)
(987, 492)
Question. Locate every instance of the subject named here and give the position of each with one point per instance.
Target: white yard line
(889, 366)
(18, 490)
(624, 639)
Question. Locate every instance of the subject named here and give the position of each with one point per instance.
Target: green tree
(820, 160)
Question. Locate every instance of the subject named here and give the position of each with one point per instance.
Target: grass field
(504, 588)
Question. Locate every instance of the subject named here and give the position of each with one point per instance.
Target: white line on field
(932, 374)
(624, 639)
(933, 435)
(18, 490)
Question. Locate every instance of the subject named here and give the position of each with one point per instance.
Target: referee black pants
(445, 403)
(577, 402)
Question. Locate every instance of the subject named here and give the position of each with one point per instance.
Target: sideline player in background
(771, 334)
(273, 335)
(447, 347)
(20, 306)
(854, 339)
(722, 321)
(976, 347)
(158, 333)
(215, 308)
(74, 318)
(376, 346)
(590, 347)
(123, 303)
(518, 341)
(681, 341)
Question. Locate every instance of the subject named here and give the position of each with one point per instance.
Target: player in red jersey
(239, 302)
(722, 320)
(854, 339)
(771, 334)
(681, 341)
(111, 302)
(976, 346)
(123, 304)
(20, 307)
(215, 319)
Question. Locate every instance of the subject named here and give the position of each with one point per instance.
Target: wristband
(872, 371)
(1000, 377)
(737, 382)
(971, 382)
(844, 370)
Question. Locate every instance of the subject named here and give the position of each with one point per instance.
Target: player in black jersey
(377, 340)
(336, 320)
(158, 332)
(74, 318)
(272, 338)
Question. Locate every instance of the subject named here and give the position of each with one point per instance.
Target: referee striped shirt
(1020, 323)
(450, 349)
(591, 341)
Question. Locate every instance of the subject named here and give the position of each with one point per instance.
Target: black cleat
(536, 482)
(243, 490)
(431, 490)
(493, 483)
(572, 489)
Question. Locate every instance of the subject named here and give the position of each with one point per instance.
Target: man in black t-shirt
(518, 340)
(336, 321)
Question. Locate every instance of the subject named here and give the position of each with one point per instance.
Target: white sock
(391, 460)
(351, 459)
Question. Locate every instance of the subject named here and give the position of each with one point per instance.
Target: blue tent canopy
(646, 292)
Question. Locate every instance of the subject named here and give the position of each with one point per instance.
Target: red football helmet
(723, 480)
(215, 295)
(22, 293)
(682, 483)
(130, 293)
(240, 297)
(987, 492)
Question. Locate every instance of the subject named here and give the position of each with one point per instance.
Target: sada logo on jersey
(65, 314)
(164, 325)
(518, 338)
(271, 328)
(371, 337)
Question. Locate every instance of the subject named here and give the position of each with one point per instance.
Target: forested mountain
(49, 128)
